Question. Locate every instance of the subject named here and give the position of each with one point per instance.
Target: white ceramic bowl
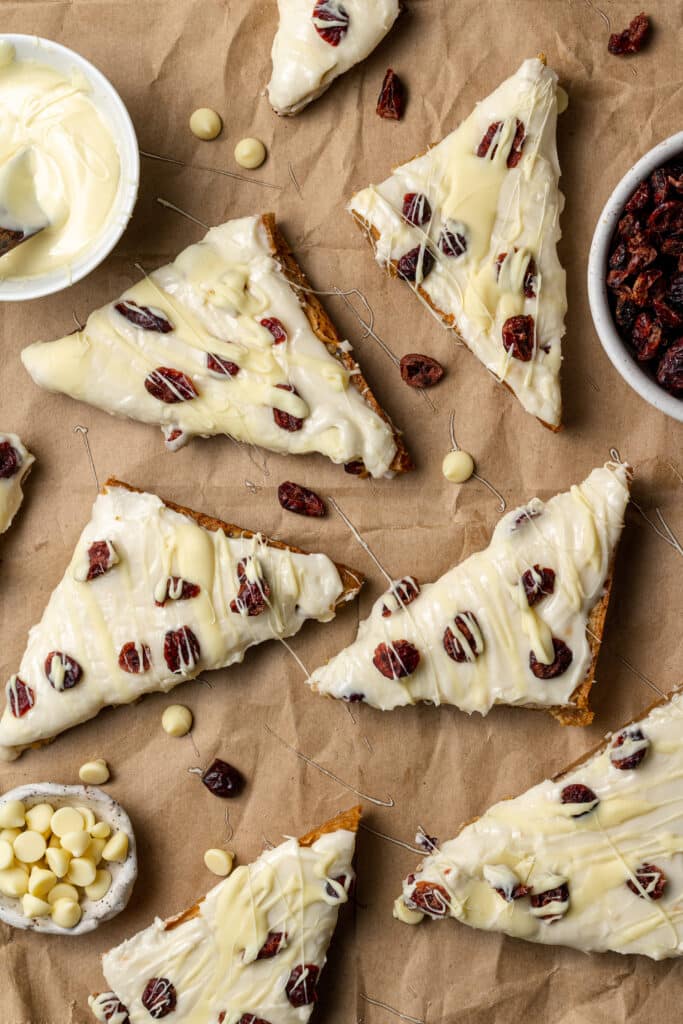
(112, 108)
(617, 352)
(123, 874)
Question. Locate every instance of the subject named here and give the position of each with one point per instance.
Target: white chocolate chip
(63, 891)
(41, 882)
(116, 848)
(562, 100)
(29, 847)
(12, 814)
(176, 720)
(6, 855)
(100, 830)
(14, 882)
(206, 124)
(32, 906)
(66, 913)
(88, 817)
(81, 871)
(76, 842)
(10, 834)
(65, 820)
(100, 887)
(219, 861)
(58, 860)
(94, 773)
(250, 153)
(96, 849)
(38, 818)
(458, 466)
(405, 914)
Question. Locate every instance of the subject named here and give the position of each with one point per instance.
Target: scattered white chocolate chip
(38, 818)
(562, 100)
(63, 891)
(6, 854)
(66, 913)
(100, 830)
(65, 820)
(219, 861)
(250, 153)
(33, 906)
(405, 914)
(81, 871)
(57, 860)
(176, 720)
(12, 814)
(29, 847)
(116, 848)
(76, 842)
(41, 882)
(88, 817)
(100, 887)
(206, 124)
(14, 882)
(94, 773)
(96, 849)
(458, 466)
(9, 834)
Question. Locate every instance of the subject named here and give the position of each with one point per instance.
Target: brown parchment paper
(437, 767)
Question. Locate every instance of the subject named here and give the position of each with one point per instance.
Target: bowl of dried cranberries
(635, 277)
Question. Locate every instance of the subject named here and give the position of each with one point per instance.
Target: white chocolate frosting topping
(253, 951)
(15, 463)
(597, 852)
(176, 600)
(485, 213)
(217, 342)
(507, 625)
(318, 40)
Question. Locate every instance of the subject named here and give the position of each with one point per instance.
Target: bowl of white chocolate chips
(67, 858)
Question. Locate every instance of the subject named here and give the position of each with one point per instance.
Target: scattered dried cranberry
(135, 658)
(332, 12)
(625, 312)
(272, 324)
(518, 337)
(169, 385)
(355, 468)
(645, 287)
(416, 208)
(515, 154)
(452, 243)
(21, 697)
(455, 648)
(178, 589)
(396, 660)
(412, 261)
(577, 793)
(341, 881)
(101, 557)
(275, 941)
(295, 498)
(490, 134)
(651, 882)
(223, 367)
(391, 104)
(562, 661)
(640, 199)
(402, 593)
(301, 985)
(285, 420)
(223, 779)
(518, 892)
(10, 460)
(670, 370)
(143, 316)
(667, 316)
(159, 998)
(70, 669)
(252, 599)
(431, 898)
(631, 40)
(420, 371)
(632, 760)
(538, 583)
(112, 1006)
(529, 282)
(181, 650)
(560, 894)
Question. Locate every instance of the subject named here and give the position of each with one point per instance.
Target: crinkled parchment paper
(435, 767)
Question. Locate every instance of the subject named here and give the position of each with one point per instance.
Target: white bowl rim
(610, 339)
(23, 288)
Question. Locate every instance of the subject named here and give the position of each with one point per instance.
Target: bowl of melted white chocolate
(69, 167)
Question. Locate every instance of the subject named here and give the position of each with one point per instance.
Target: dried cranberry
(672, 245)
(354, 698)
(275, 941)
(181, 650)
(391, 104)
(560, 894)
(143, 316)
(529, 282)
(252, 598)
(463, 643)
(577, 793)
(538, 583)
(617, 257)
(355, 468)
(285, 420)
(295, 498)
(101, 558)
(169, 385)
(65, 674)
(10, 460)
(667, 217)
(627, 226)
(651, 882)
(301, 985)
(644, 285)
(402, 593)
(431, 898)
(411, 262)
(633, 760)
(272, 324)
(223, 367)
(557, 667)
(223, 780)
(397, 659)
(178, 589)
(332, 12)
(646, 337)
(420, 371)
(674, 291)
(518, 892)
(524, 517)
(452, 243)
(135, 658)
(416, 208)
(659, 184)
(667, 316)
(518, 337)
(515, 154)
(625, 312)
(112, 1007)
(617, 278)
(490, 134)
(10, 239)
(640, 199)
(21, 697)
(341, 881)
(670, 369)
(631, 40)
(159, 998)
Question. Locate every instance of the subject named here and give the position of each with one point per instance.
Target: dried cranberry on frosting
(275, 941)
(650, 882)
(416, 262)
(301, 985)
(254, 591)
(285, 420)
(221, 367)
(396, 659)
(464, 641)
(135, 658)
(629, 748)
(552, 903)
(563, 658)
(159, 998)
(538, 583)
(331, 21)
(581, 797)
(276, 328)
(178, 589)
(416, 209)
(102, 556)
(170, 385)
(20, 697)
(402, 593)
(62, 671)
(505, 882)
(431, 898)
(181, 650)
(147, 317)
(10, 460)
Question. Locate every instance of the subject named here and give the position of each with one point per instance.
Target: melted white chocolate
(595, 848)
(91, 620)
(574, 534)
(63, 155)
(496, 210)
(215, 296)
(304, 65)
(211, 959)
(11, 494)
